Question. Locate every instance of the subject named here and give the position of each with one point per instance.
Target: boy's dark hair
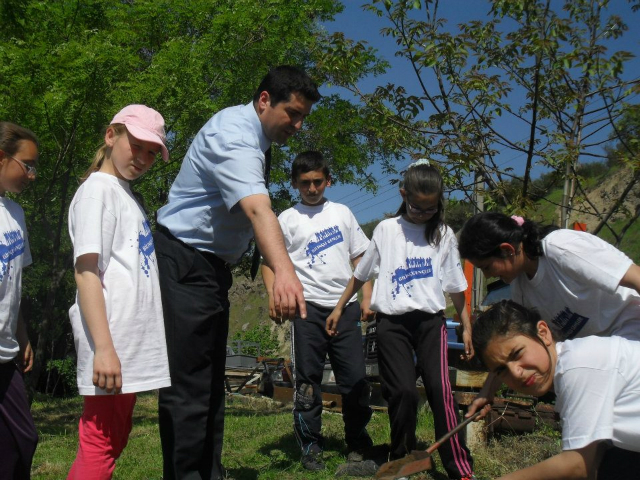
(483, 233)
(426, 179)
(284, 80)
(11, 135)
(309, 161)
(505, 318)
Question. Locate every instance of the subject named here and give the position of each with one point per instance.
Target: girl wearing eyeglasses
(415, 257)
(18, 155)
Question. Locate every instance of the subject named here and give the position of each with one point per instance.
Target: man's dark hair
(282, 81)
(309, 161)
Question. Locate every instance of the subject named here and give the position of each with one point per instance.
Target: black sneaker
(367, 468)
(313, 462)
(355, 456)
(357, 451)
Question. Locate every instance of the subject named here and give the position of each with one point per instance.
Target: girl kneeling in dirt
(597, 385)
(575, 280)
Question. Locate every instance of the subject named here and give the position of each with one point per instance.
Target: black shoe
(368, 468)
(313, 462)
(357, 450)
(355, 456)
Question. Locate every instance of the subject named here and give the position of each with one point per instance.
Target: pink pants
(103, 433)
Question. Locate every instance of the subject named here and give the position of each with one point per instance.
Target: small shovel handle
(452, 432)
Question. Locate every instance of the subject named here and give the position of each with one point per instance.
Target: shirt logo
(325, 239)
(414, 269)
(12, 249)
(569, 323)
(146, 248)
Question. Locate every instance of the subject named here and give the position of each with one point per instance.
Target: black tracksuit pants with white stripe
(310, 345)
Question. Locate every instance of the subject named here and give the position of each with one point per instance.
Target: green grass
(259, 442)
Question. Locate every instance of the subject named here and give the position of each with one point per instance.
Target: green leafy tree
(67, 66)
(548, 68)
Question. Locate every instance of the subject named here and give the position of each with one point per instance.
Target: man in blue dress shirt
(217, 204)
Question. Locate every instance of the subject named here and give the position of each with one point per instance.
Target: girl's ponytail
(98, 158)
(532, 235)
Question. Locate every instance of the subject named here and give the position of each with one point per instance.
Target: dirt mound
(603, 196)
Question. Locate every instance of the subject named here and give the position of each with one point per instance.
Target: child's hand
(107, 373)
(25, 358)
(366, 314)
(485, 397)
(332, 323)
(25, 354)
(272, 310)
(468, 345)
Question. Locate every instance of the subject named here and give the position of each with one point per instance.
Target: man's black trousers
(195, 301)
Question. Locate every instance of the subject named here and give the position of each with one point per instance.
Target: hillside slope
(606, 190)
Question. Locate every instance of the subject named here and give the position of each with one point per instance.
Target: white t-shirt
(14, 255)
(412, 275)
(576, 287)
(597, 383)
(104, 218)
(321, 241)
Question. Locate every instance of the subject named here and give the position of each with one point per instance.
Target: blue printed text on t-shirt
(11, 249)
(414, 269)
(569, 323)
(325, 239)
(146, 247)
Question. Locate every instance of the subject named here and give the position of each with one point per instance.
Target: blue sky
(360, 25)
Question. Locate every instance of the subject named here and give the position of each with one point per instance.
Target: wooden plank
(464, 398)
(466, 378)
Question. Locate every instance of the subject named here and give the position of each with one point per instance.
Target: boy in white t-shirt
(323, 240)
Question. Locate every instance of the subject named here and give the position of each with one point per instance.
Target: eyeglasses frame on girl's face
(28, 169)
(419, 211)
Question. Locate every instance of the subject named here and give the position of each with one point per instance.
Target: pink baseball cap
(145, 124)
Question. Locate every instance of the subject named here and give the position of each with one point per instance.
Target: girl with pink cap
(117, 317)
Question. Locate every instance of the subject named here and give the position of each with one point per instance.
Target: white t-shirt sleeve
(586, 393)
(587, 259)
(358, 241)
(283, 221)
(26, 256)
(369, 264)
(452, 276)
(93, 227)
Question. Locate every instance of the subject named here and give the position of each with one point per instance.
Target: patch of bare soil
(602, 198)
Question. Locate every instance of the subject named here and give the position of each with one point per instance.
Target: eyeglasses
(28, 169)
(420, 211)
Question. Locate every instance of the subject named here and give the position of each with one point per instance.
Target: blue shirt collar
(265, 143)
